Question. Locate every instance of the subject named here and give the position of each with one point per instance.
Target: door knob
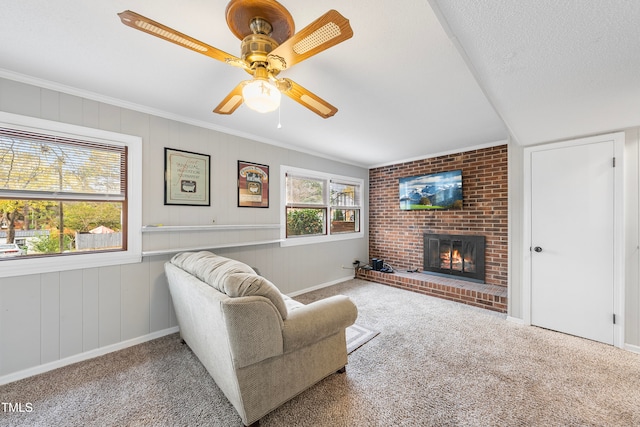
(537, 249)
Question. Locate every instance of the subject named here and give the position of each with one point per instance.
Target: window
(306, 208)
(320, 207)
(345, 212)
(67, 192)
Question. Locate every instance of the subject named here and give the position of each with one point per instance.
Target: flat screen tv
(440, 190)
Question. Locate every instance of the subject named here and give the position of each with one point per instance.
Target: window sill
(27, 266)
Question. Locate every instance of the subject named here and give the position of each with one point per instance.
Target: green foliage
(338, 215)
(78, 216)
(304, 190)
(426, 207)
(9, 213)
(11, 206)
(85, 216)
(425, 201)
(50, 244)
(301, 222)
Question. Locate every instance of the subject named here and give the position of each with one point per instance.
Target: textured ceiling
(553, 69)
(417, 79)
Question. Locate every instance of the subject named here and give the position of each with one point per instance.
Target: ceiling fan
(268, 47)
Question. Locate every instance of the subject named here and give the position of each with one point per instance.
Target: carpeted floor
(435, 363)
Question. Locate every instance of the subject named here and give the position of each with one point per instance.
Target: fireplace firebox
(455, 255)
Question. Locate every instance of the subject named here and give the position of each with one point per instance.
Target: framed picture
(186, 178)
(253, 185)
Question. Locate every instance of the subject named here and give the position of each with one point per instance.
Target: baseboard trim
(632, 348)
(40, 369)
(322, 285)
(515, 320)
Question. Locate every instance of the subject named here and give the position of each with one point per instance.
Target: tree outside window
(306, 211)
(59, 195)
(319, 205)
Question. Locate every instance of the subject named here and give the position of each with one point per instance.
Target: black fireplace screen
(461, 256)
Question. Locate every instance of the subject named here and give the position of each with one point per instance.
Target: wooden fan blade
(326, 31)
(231, 102)
(149, 26)
(304, 97)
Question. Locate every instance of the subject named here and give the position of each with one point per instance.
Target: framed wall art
(186, 178)
(253, 185)
(433, 191)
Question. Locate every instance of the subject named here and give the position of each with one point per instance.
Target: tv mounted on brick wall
(440, 190)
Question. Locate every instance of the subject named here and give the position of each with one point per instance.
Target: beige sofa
(261, 347)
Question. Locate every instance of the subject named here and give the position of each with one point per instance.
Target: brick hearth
(491, 297)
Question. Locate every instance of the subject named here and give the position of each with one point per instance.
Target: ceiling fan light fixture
(269, 46)
(261, 95)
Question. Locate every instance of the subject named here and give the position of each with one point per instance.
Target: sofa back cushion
(231, 277)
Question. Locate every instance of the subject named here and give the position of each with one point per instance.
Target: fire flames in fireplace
(451, 260)
(455, 261)
(461, 256)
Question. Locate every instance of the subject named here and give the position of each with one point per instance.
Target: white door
(572, 239)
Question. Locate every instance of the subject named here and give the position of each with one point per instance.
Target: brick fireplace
(397, 236)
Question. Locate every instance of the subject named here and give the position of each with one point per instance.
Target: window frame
(63, 262)
(328, 178)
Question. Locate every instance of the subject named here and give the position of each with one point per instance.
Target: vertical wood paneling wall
(49, 318)
(59, 317)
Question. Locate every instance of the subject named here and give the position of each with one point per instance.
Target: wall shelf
(182, 228)
(201, 228)
(212, 246)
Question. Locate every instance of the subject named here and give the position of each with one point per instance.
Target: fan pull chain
(279, 108)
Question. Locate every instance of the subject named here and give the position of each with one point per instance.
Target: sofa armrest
(313, 322)
(254, 328)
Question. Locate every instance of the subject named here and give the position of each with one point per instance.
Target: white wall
(632, 238)
(47, 320)
(631, 184)
(516, 200)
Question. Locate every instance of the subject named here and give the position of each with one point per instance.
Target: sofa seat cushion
(232, 278)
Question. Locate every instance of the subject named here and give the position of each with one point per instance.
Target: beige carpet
(435, 363)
